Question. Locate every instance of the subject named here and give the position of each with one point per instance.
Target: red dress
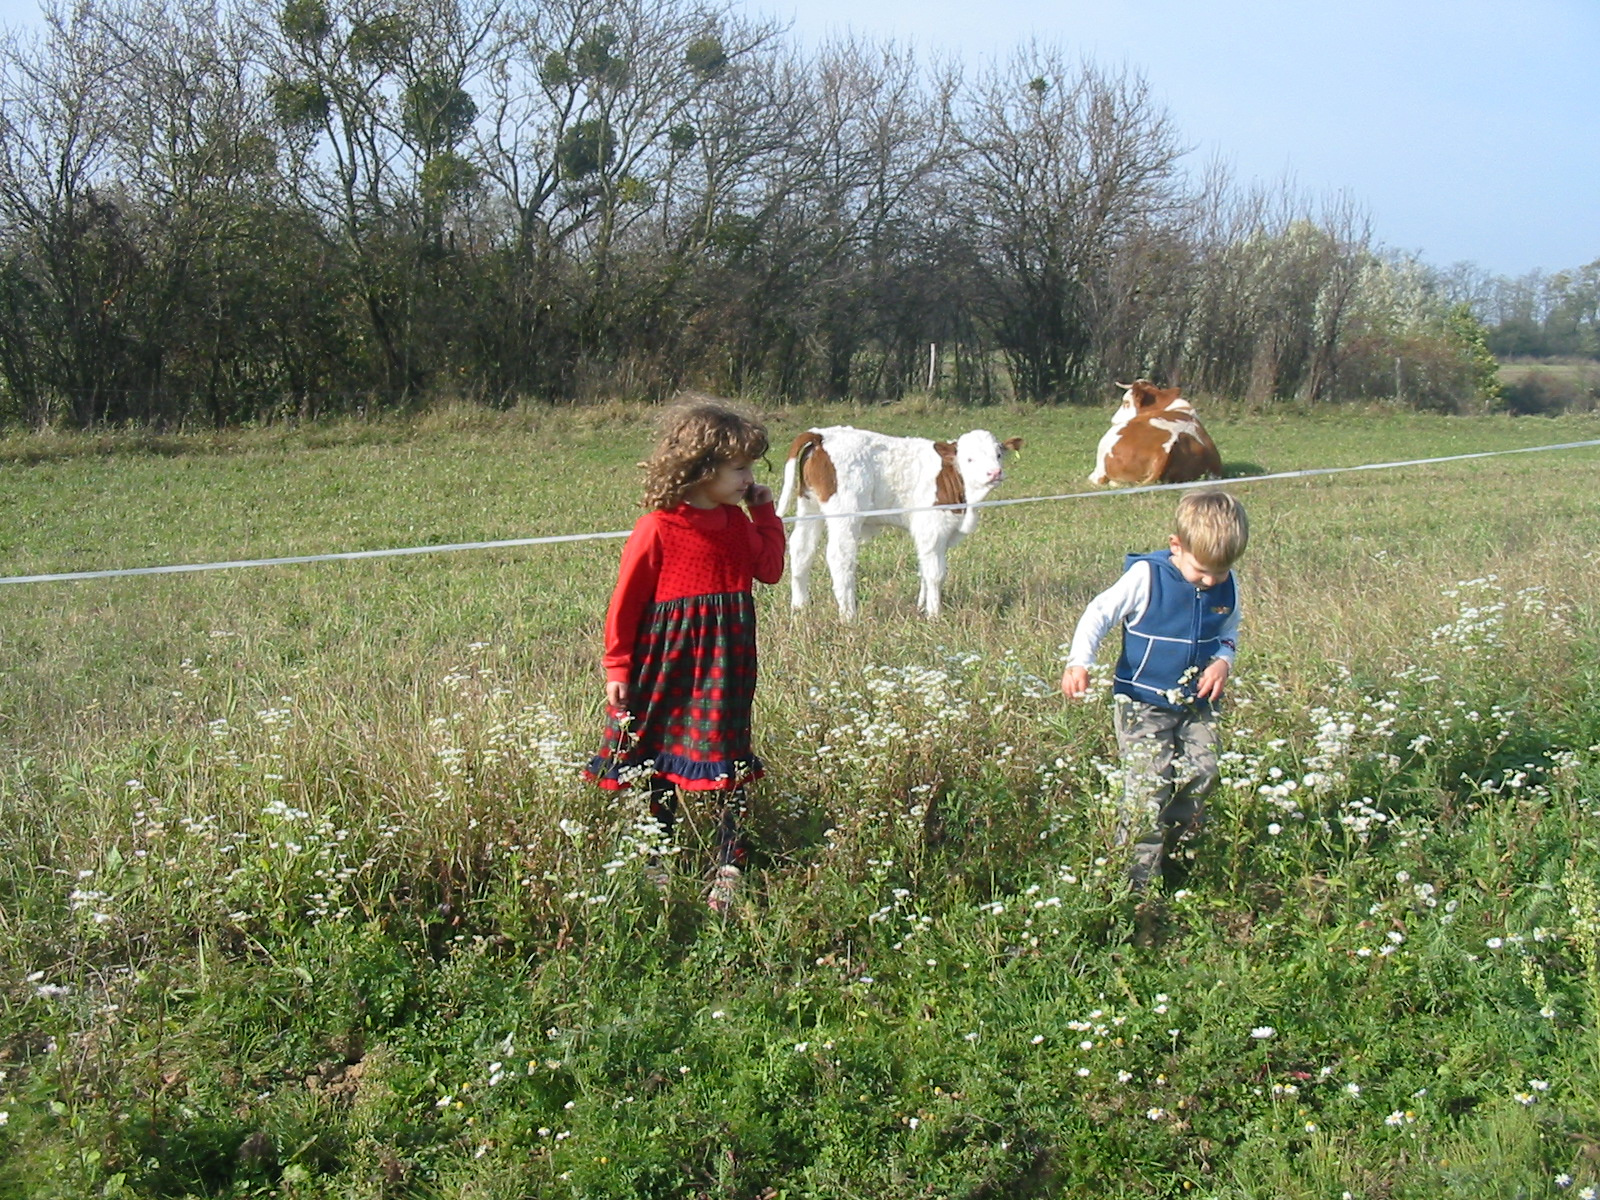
(681, 632)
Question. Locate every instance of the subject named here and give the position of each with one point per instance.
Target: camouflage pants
(1169, 763)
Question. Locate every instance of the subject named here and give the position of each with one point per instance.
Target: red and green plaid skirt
(688, 715)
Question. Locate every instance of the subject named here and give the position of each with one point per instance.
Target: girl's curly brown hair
(697, 434)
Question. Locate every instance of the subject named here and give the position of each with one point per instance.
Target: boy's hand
(1074, 681)
(616, 693)
(759, 493)
(1212, 680)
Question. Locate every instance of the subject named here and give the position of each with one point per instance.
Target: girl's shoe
(724, 887)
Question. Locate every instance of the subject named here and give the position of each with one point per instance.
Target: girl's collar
(684, 509)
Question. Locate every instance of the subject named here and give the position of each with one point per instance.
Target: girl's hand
(759, 493)
(1074, 682)
(616, 693)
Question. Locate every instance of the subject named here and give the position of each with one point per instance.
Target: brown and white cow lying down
(841, 471)
(1155, 438)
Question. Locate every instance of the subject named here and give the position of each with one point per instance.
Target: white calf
(841, 472)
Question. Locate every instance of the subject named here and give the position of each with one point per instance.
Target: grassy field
(1577, 370)
(1543, 386)
(299, 894)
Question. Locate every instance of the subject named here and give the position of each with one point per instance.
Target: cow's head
(971, 468)
(977, 457)
(1141, 398)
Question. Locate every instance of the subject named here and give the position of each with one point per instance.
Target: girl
(680, 637)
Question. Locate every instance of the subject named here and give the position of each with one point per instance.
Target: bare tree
(373, 103)
(883, 137)
(1062, 164)
(67, 260)
(195, 162)
(1343, 250)
(590, 118)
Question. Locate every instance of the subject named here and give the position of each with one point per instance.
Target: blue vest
(1180, 632)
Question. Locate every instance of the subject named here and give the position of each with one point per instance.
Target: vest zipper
(1194, 636)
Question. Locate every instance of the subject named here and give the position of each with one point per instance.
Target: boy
(1179, 611)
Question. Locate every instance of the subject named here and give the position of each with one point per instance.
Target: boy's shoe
(724, 887)
(1145, 867)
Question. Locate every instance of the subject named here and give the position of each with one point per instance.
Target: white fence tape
(877, 512)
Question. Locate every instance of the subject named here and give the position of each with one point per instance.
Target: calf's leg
(844, 544)
(803, 541)
(931, 569)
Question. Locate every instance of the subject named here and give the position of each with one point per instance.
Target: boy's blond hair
(1213, 527)
(697, 434)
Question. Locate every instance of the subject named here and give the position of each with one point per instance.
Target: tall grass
(299, 893)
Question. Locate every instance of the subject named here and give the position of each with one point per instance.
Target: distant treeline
(1535, 315)
(225, 213)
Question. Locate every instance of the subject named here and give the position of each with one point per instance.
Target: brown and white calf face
(852, 476)
(975, 459)
(1155, 437)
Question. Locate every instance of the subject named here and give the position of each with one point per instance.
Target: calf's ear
(1012, 444)
(947, 450)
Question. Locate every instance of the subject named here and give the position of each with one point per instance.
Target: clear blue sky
(1466, 129)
